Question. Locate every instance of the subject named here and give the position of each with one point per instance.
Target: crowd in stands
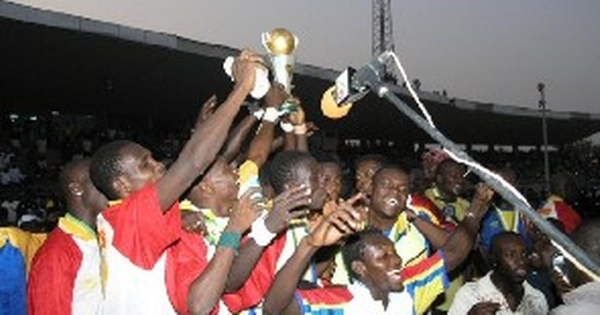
(255, 214)
(32, 153)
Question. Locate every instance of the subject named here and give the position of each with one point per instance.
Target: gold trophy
(281, 43)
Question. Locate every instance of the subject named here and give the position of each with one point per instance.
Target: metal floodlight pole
(370, 78)
(542, 105)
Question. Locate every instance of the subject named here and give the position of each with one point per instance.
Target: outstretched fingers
(346, 220)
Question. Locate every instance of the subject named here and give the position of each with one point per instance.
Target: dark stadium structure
(55, 61)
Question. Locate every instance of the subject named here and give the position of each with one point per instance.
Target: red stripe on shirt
(413, 271)
(327, 296)
(257, 285)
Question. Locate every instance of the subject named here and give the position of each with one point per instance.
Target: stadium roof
(55, 61)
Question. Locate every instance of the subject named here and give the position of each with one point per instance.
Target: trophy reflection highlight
(281, 43)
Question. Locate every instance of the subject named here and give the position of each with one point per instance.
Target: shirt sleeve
(425, 209)
(52, 278)
(330, 300)
(142, 231)
(248, 173)
(464, 300)
(185, 262)
(424, 281)
(259, 281)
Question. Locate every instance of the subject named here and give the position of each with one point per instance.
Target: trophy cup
(281, 43)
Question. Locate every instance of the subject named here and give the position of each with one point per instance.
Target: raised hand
(193, 222)
(276, 95)
(311, 128)
(247, 209)
(244, 68)
(563, 286)
(345, 220)
(481, 199)
(285, 208)
(298, 117)
(483, 193)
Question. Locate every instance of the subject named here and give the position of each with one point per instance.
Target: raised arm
(277, 143)
(298, 119)
(207, 288)
(260, 148)
(275, 222)
(237, 137)
(343, 221)
(202, 148)
(461, 241)
(436, 235)
(289, 141)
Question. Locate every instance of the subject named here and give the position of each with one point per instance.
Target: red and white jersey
(134, 236)
(65, 274)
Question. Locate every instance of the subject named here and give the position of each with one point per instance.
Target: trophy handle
(265, 38)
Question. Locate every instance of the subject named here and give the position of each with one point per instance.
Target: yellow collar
(114, 202)
(72, 225)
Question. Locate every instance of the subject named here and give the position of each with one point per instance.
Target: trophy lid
(280, 41)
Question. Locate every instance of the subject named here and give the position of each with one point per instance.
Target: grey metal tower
(382, 38)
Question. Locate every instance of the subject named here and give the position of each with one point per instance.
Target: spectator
(503, 290)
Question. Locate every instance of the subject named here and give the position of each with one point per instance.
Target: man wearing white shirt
(503, 290)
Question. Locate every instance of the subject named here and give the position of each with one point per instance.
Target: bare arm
(260, 148)
(276, 221)
(343, 221)
(461, 241)
(289, 141)
(298, 119)
(302, 142)
(286, 281)
(302, 138)
(236, 138)
(250, 253)
(436, 235)
(277, 144)
(207, 288)
(209, 136)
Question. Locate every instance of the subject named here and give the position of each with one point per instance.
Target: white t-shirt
(484, 290)
(585, 300)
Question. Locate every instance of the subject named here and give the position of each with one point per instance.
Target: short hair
(106, 166)
(333, 164)
(445, 164)
(586, 236)
(389, 167)
(69, 174)
(284, 166)
(377, 158)
(354, 248)
(495, 243)
(264, 174)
